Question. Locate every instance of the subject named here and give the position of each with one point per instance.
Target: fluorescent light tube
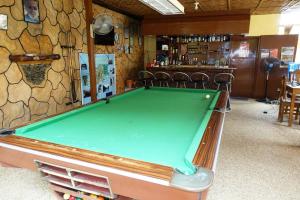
(165, 7)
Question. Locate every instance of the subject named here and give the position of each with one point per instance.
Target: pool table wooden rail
(204, 157)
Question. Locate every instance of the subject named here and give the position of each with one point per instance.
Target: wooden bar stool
(199, 78)
(181, 79)
(146, 77)
(224, 80)
(163, 79)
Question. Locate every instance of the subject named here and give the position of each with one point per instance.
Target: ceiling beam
(118, 10)
(228, 4)
(257, 6)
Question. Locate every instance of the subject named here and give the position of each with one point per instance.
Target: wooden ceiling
(136, 8)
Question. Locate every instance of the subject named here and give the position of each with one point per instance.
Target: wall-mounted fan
(102, 24)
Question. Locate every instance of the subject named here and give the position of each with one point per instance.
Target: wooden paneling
(243, 83)
(272, 42)
(181, 25)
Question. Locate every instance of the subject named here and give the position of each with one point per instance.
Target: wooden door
(243, 58)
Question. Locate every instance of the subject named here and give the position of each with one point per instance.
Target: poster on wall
(244, 50)
(264, 53)
(274, 53)
(287, 54)
(105, 76)
(85, 78)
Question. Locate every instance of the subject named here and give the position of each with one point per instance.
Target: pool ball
(66, 196)
(72, 198)
(207, 96)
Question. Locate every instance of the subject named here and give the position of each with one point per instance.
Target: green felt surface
(158, 125)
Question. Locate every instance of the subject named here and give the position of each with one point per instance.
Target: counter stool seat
(181, 79)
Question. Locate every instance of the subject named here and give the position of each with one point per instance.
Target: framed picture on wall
(126, 32)
(3, 22)
(31, 11)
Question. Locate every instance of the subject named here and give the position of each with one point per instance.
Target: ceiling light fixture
(165, 7)
(196, 5)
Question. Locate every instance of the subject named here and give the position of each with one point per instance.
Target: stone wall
(21, 100)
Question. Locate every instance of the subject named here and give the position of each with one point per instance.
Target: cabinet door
(243, 58)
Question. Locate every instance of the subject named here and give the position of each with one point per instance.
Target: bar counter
(210, 70)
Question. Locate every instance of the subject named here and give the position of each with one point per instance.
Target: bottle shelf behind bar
(193, 50)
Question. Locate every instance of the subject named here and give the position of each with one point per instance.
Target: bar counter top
(190, 68)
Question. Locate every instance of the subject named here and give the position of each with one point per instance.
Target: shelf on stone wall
(33, 57)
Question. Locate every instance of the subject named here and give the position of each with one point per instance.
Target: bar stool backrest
(145, 75)
(180, 76)
(162, 76)
(223, 78)
(199, 76)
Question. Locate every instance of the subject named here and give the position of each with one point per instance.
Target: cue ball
(207, 96)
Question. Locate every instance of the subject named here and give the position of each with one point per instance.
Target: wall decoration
(264, 53)
(274, 53)
(31, 11)
(126, 48)
(126, 32)
(85, 78)
(244, 50)
(105, 75)
(287, 54)
(3, 22)
(35, 73)
(131, 35)
(140, 36)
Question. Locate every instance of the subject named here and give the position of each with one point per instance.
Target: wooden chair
(295, 76)
(285, 102)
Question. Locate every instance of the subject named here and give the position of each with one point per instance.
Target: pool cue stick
(68, 38)
(72, 78)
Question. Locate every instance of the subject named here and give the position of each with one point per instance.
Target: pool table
(150, 143)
